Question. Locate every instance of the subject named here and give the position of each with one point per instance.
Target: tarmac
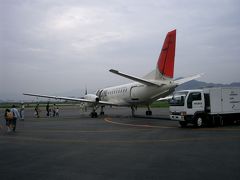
(116, 146)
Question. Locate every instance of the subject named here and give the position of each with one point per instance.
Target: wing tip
(113, 71)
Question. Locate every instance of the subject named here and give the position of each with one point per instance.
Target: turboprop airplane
(143, 91)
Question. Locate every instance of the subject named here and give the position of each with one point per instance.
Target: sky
(58, 47)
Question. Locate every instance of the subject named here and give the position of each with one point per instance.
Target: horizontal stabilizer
(186, 79)
(165, 98)
(140, 80)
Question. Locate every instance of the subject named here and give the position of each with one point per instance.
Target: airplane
(157, 84)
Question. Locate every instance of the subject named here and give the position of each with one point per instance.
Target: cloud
(45, 42)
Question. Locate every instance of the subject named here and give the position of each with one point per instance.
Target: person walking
(16, 116)
(8, 117)
(47, 109)
(57, 112)
(54, 110)
(22, 111)
(37, 111)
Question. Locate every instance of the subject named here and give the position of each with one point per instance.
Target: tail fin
(165, 64)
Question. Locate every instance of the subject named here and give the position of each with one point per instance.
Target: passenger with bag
(16, 116)
(9, 118)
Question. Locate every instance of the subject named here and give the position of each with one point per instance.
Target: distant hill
(194, 84)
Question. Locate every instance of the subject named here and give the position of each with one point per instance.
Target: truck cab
(188, 107)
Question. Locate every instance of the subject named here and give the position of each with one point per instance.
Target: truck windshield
(178, 99)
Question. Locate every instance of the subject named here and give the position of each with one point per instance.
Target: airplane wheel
(148, 113)
(93, 114)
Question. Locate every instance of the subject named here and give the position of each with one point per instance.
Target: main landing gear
(133, 108)
(148, 112)
(94, 114)
(102, 112)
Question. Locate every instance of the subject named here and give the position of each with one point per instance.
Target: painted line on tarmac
(109, 120)
(74, 131)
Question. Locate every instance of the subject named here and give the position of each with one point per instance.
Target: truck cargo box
(224, 100)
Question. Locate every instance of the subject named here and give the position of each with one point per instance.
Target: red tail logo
(166, 59)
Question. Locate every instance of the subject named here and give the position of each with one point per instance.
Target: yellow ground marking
(108, 120)
(74, 131)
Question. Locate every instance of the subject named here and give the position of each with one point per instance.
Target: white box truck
(210, 106)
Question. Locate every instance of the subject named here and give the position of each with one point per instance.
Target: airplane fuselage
(135, 93)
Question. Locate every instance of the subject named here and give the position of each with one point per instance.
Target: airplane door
(99, 93)
(134, 93)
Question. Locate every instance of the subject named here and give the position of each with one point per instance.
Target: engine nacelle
(91, 97)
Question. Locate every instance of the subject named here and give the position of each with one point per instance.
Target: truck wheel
(199, 122)
(183, 123)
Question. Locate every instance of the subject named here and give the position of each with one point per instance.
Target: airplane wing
(184, 80)
(140, 80)
(165, 98)
(71, 99)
